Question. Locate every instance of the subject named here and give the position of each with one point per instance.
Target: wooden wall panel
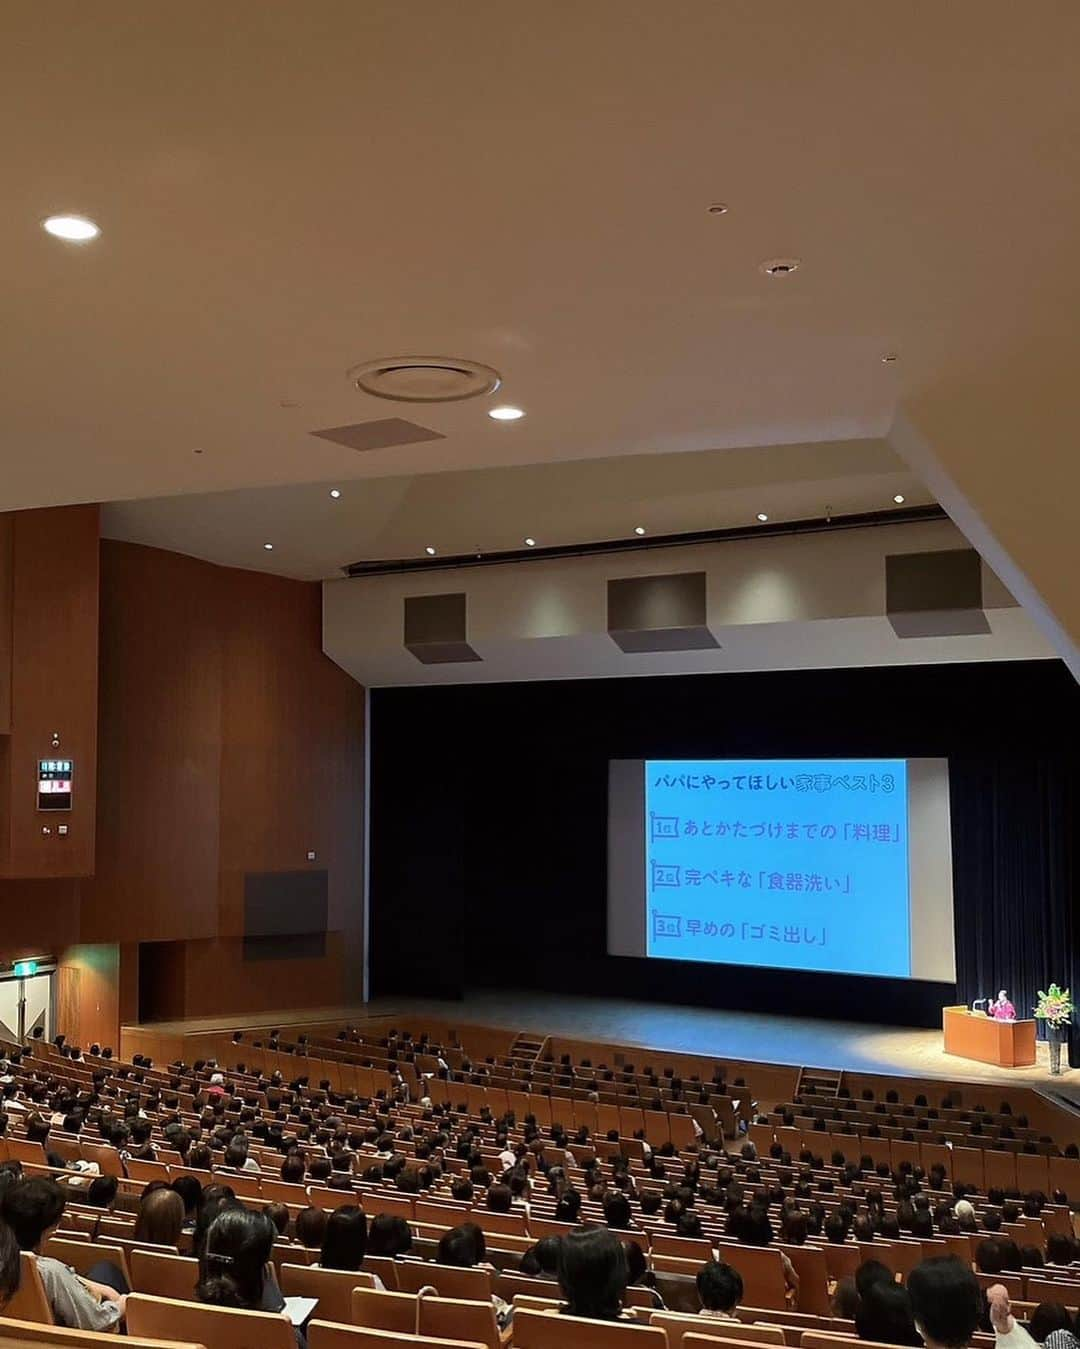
(160, 748)
(292, 751)
(7, 538)
(220, 980)
(54, 686)
(88, 1009)
(39, 917)
(229, 743)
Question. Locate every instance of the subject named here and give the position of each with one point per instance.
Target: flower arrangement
(1055, 1006)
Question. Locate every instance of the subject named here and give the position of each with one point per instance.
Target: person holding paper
(1001, 1009)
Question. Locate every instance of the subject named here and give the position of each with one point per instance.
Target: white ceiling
(287, 190)
(493, 509)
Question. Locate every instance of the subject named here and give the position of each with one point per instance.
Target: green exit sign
(24, 968)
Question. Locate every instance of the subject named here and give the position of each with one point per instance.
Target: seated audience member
(498, 1198)
(720, 1288)
(945, 1302)
(1060, 1249)
(33, 1209)
(293, 1169)
(200, 1158)
(279, 1216)
(10, 1265)
(139, 1147)
(311, 1228)
(845, 1300)
(234, 1266)
(1048, 1318)
(872, 1272)
(794, 1227)
(568, 1207)
(463, 1247)
(236, 1155)
(617, 1210)
(884, 1315)
(1010, 1334)
(835, 1229)
(542, 1260)
(102, 1192)
(345, 1242)
(593, 1273)
(190, 1192)
(389, 1235)
(639, 1275)
(341, 1173)
(161, 1218)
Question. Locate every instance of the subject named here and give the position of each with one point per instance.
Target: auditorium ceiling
(285, 193)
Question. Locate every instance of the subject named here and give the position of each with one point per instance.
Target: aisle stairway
(820, 1081)
(525, 1050)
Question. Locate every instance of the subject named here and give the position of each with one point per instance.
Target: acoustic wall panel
(935, 594)
(659, 613)
(436, 628)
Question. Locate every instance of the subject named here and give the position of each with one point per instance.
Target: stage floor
(849, 1045)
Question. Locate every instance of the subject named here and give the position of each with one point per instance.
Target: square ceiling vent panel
(381, 434)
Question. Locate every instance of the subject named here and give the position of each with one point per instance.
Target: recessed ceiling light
(780, 266)
(899, 498)
(75, 229)
(889, 358)
(269, 547)
(718, 208)
(335, 492)
(530, 542)
(430, 551)
(639, 529)
(506, 414)
(762, 516)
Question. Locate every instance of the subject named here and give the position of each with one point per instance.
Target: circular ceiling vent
(425, 379)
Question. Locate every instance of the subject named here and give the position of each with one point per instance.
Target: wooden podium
(972, 1035)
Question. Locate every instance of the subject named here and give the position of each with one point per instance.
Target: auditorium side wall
(217, 739)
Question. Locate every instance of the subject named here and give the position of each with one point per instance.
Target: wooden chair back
(332, 1287)
(809, 1263)
(82, 1256)
(823, 1339)
(385, 1266)
(762, 1273)
(323, 1335)
(17, 1334)
(164, 1275)
(447, 1280)
(214, 1327)
(384, 1311)
(458, 1319)
(544, 1330)
(30, 1303)
(677, 1327)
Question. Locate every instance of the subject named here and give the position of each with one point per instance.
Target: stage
(851, 1046)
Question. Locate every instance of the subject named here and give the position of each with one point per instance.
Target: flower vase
(1055, 1038)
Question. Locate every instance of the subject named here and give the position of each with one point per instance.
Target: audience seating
(457, 1319)
(322, 1335)
(17, 1334)
(332, 1287)
(542, 1330)
(213, 1327)
(29, 1302)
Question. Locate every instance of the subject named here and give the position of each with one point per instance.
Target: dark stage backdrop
(489, 825)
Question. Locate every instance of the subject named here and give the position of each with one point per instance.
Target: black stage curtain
(1014, 846)
(489, 825)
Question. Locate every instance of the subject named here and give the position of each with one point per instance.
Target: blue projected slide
(798, 863)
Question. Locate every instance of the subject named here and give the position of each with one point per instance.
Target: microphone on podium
(980, 1002)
